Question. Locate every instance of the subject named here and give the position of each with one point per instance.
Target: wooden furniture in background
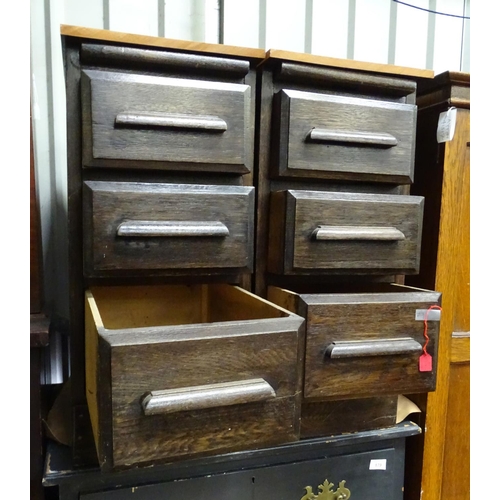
(443, 177)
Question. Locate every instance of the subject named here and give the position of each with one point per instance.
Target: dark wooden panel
(337, 137)
(166, 123)
(348, 415)
(331, 232)
(150, 355)
(347, 474)
(339, 78)
(147, 59)
(144, 226)
(367, 318)
(72, 482)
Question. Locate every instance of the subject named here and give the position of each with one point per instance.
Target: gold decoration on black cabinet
(326, 492)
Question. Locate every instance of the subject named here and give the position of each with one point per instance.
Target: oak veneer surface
(344, 332)
(344, 232)
(324, 136)
(159, 42)
(156, 226)
(349, 64)
(184, 71)
(168, 121)
(444, 179)
(377, 90)
(175, 342)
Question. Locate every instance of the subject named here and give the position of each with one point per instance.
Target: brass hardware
(326, 493)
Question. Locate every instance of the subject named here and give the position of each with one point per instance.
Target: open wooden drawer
(365, 342)
(175, 371)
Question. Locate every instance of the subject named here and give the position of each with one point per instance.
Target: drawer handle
(379, 347)
(345, 233)
(206, 396)
(166, 120)
(382, 140)
(146, 228)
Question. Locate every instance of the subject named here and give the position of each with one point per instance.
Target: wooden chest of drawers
(173, 356)
(336, 225)
(181, 218)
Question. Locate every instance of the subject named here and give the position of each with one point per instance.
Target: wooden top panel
(349, 64)
(447, 79)
(153, 41)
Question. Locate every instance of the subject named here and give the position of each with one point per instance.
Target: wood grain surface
(156, 353)
(109, 205)
(391, 69)
(444, 179)
(303, 152)
(367, 317)
(160, 42)
(456, 456)
(161, 141)
(347, 415)
(324, 77)
(295, 250)
(147, 59)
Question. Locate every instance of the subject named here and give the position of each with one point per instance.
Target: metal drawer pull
(377, 347)
(166, 120)
(363, 138)
(206, 396)
(146, 228)
(357, 233)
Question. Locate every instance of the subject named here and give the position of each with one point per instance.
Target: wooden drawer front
(339, 232)
(360, 345)
(145, 226)
(166, 123)
(336, 137)
(177, 371)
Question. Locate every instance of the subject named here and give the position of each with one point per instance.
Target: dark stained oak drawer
(151, 226)
(328, 232)
(142, 121)
(366, 344)
(324, 136)
(175, 371)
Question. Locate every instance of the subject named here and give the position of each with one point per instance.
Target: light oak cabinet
(443, 177)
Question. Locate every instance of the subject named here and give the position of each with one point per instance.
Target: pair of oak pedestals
(239, 229)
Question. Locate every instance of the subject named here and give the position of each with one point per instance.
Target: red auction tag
(425, 362)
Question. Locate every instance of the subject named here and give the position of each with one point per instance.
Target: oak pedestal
(443, 177)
